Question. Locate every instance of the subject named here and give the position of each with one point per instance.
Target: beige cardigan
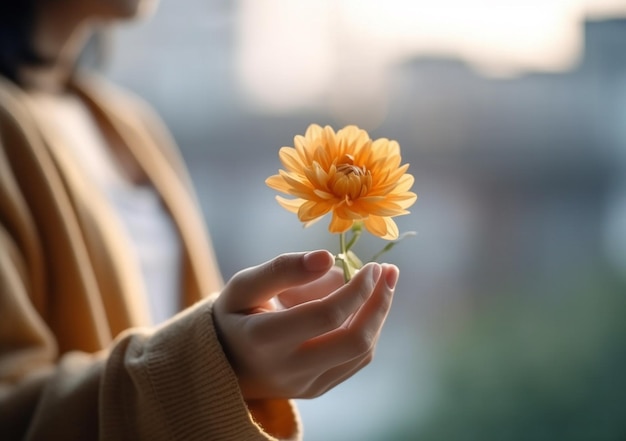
(77, 361)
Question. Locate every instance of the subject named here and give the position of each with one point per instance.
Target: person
(115, 323)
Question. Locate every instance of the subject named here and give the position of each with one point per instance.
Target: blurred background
(509, 321)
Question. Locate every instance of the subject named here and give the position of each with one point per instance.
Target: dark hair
(16, 23)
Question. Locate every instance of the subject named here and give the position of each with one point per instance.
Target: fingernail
(392, 276)
(317, 260)
(375, 272)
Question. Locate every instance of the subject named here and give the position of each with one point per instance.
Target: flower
(347, 174)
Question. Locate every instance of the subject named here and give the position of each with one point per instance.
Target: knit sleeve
(187, 383)
(169, 383)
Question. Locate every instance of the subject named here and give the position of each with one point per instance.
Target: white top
(149, 226)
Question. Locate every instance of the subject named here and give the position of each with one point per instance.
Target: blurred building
(538, 156)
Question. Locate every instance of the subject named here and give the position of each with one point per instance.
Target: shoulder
(13, 108)
(20, 134)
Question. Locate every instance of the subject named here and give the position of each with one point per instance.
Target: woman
(101, 239)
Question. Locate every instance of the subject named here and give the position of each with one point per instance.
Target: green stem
(344, 257)
(355, 236)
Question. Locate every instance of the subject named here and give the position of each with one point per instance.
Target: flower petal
(404, 183)
(311, 222)
(316, 176)
(378, 206)
(392, 229)
(383, 227)
(299, 144)
(324, 156)
(390, 148)
(345, 212)
(404, 200)
(396, 174)
(313, 209)
(376, 225)
(298, 184)
(291, 205)
(323, 194)
(313, 131)
(330, 141)
(339, 225)
(278, 183)
(290, 159)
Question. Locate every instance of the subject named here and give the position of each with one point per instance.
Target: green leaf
(390, 245)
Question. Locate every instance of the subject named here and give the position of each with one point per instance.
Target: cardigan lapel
(200, 275)
(122, 291)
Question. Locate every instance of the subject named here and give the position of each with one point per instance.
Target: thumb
(254, 286)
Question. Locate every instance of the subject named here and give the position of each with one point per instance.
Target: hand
(323, 332)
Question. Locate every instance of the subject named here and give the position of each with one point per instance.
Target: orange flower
(347, 174)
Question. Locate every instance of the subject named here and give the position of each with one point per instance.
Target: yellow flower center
(346, 166)
(351, 181)
(348, 169)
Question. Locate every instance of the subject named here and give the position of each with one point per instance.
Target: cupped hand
(322, 332)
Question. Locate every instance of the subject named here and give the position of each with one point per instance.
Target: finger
(362, 332)
(256, 285)
(312, 319)
(315, 290)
